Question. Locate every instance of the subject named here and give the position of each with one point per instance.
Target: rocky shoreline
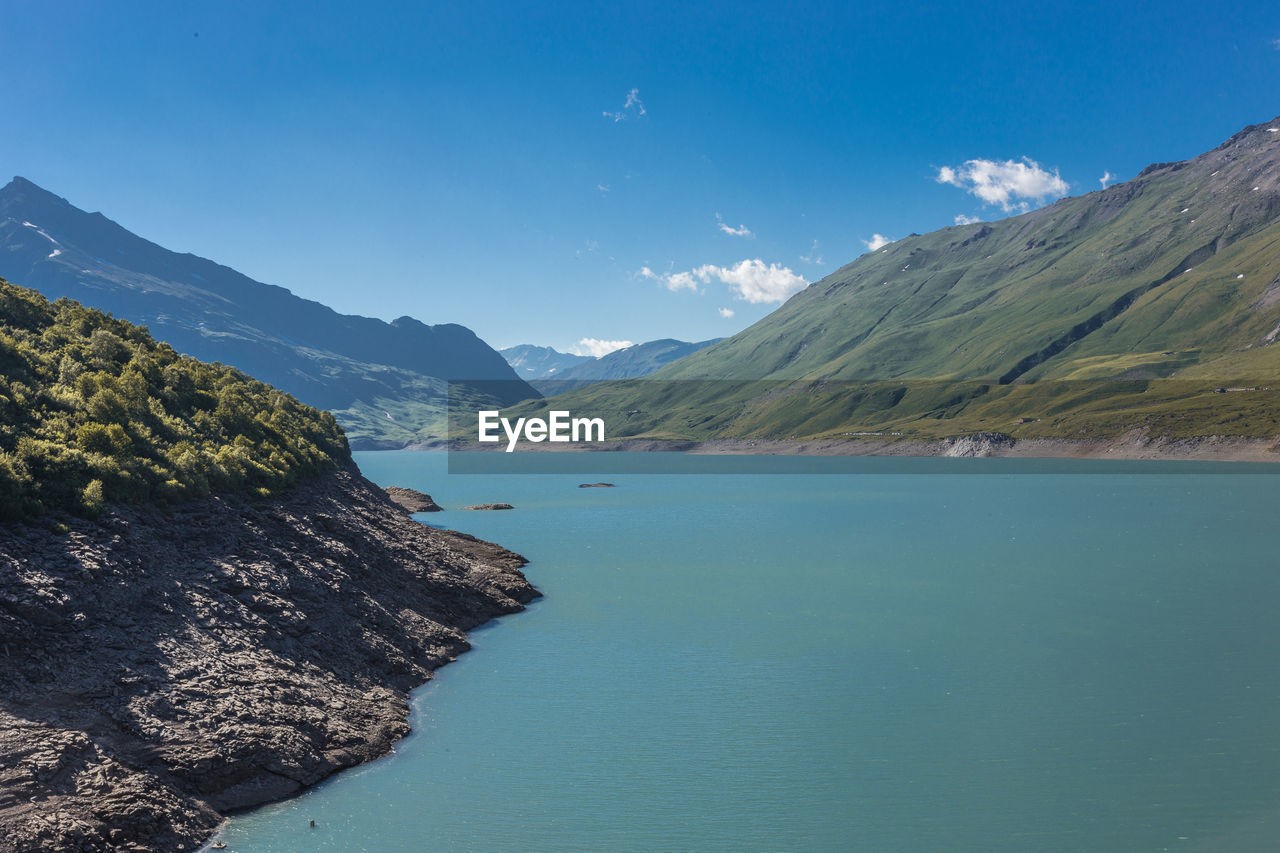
(162, 668)
(1130, 446)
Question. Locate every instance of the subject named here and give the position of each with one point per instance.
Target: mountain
(178, 541)
(628, 363)
(1125, 308)
(375, 376)
(532, 362)
(1172, 272)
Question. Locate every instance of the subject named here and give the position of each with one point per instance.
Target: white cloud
(961, 219)
(1106, 178)
(877, 241)
(1003, 182)
(596, 348)
(725, 312)
(813, 257)
(681, 281)
(749, 280)
(634, 107)
(672, 281)
(740, 231)
(604, 188)
(754, 282)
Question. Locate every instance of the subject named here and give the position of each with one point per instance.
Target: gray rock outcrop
(411, 500)
(160, 668)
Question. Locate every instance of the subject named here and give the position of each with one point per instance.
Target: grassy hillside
(1126, 308)
(93, 410)
(1176, 268)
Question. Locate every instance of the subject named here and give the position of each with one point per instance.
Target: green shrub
(93, 411)
(92, 498)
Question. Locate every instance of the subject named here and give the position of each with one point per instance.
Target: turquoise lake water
(1008, 659)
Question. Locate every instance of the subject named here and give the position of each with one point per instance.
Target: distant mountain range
(532, 362)
(383, 381)
(553, 372)
(1138, 307)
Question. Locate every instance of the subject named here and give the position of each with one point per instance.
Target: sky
(582, 175)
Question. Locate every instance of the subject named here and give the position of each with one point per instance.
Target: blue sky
(547, 173)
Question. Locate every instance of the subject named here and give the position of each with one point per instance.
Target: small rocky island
(412, 500)
(490, 506)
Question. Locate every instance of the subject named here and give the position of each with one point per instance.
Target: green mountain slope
(93, 411)
(1175, 268)
(1130, 308)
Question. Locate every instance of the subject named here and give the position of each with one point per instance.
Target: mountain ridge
(630, 362)
(534, 362)
(350, 364)
(941, 282)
